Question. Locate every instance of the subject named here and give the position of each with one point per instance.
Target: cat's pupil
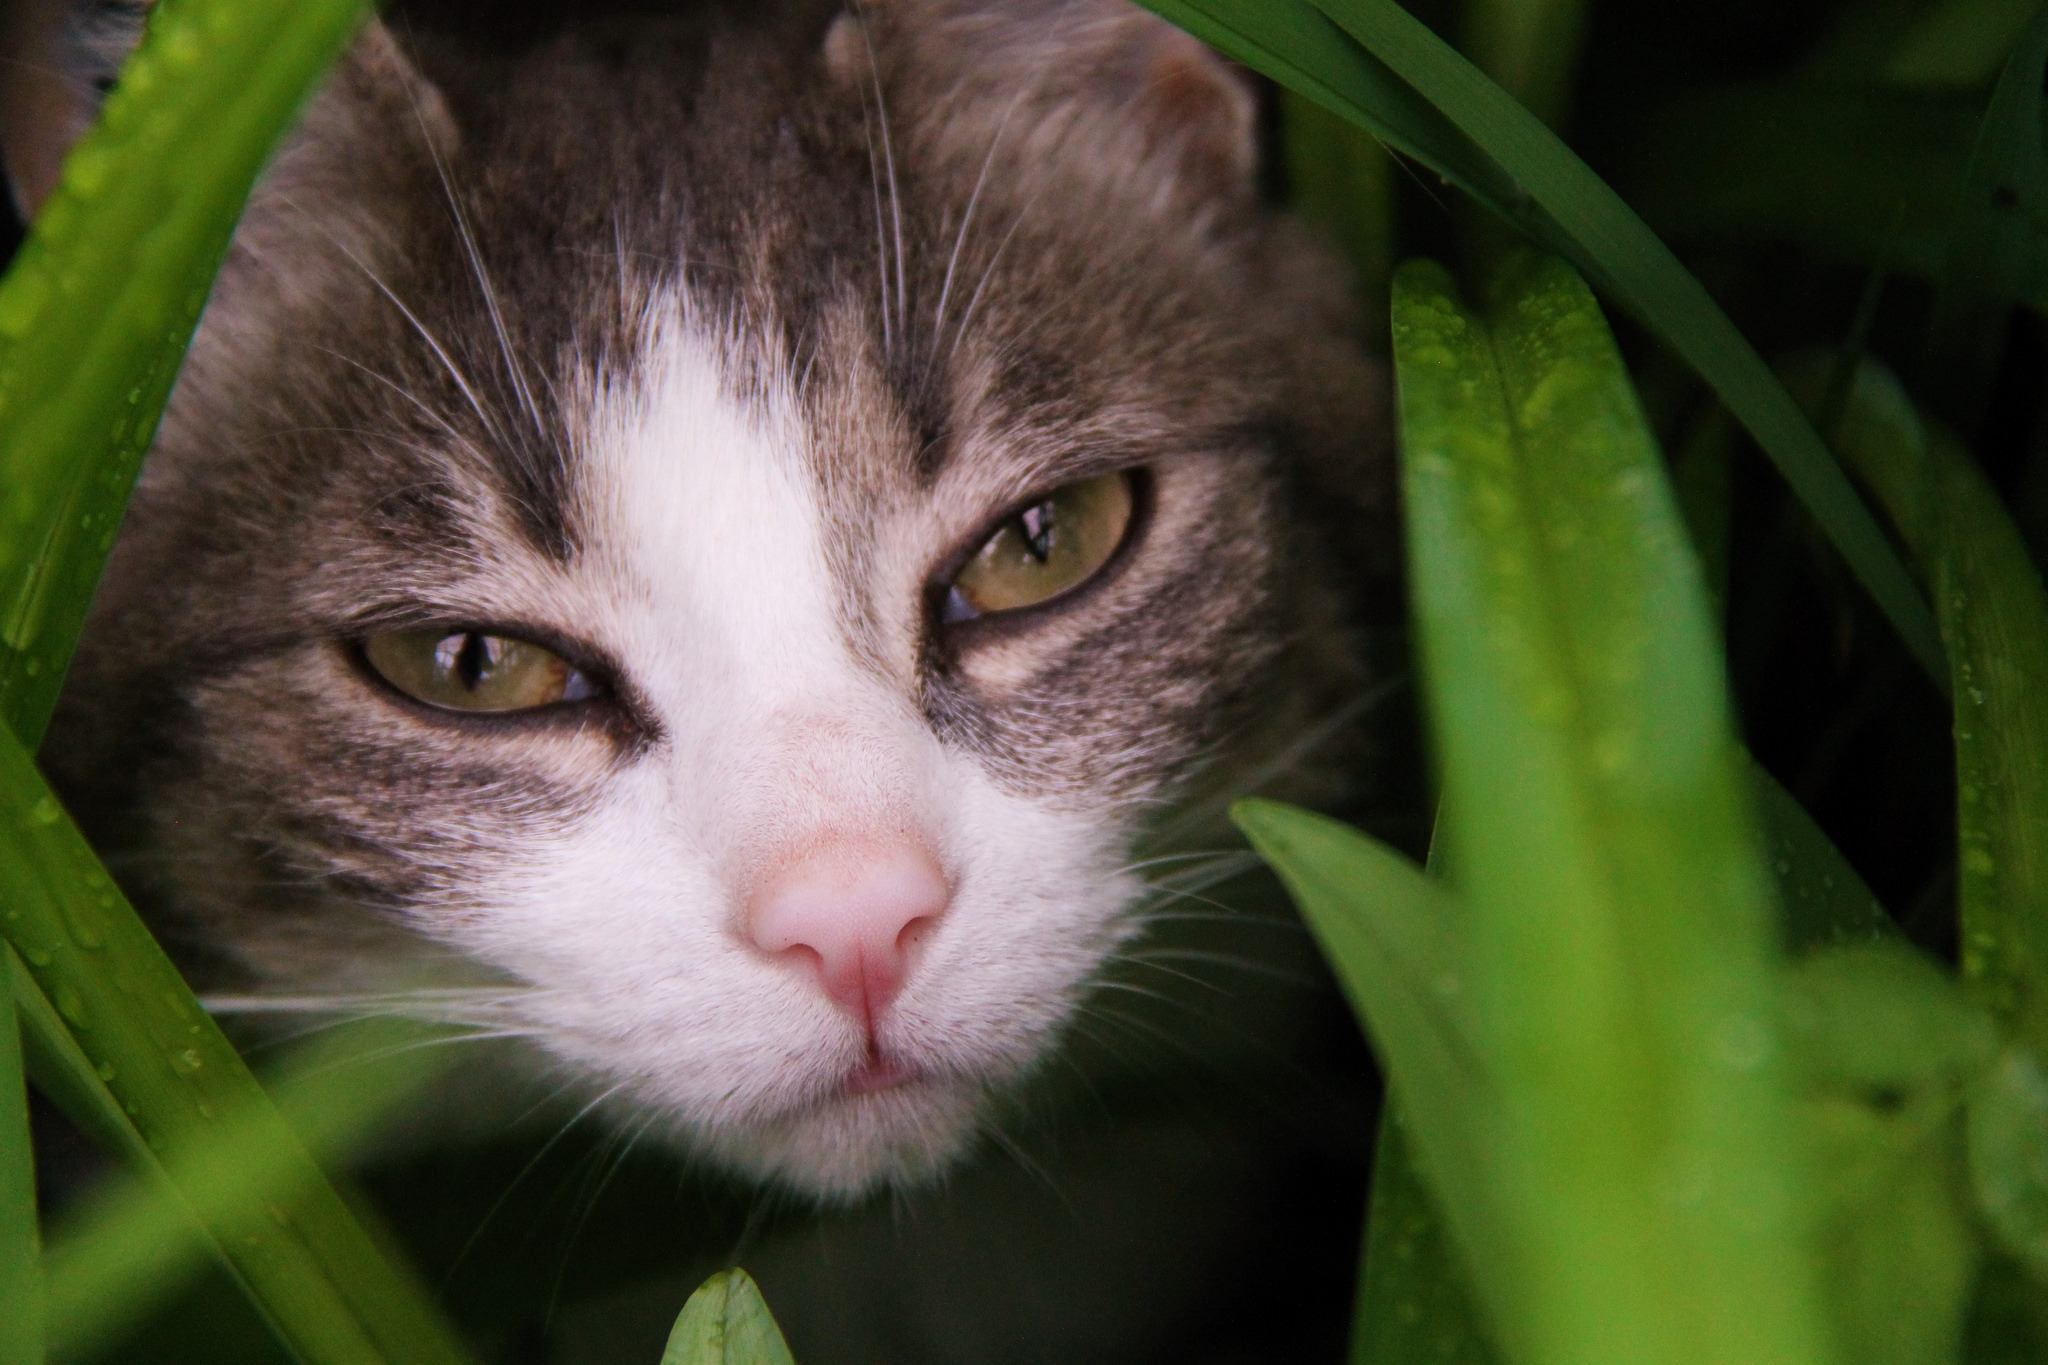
(468, 656)
(1037, 526)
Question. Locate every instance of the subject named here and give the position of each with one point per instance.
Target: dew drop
(187, 1062)
(72, 1006)
(105, 1071)
(45, 811)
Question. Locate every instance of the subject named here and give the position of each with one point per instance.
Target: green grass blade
(1529, 47)
(1620, 936)
(726, 1322)
(1821, 899)
(1410, 89)
(1996, 237)
(21, 1276)
(164, 1061)
(1887, 1046)
(137, 1241)
(1994, 617)
(1342, 181)
(1415, 1301)
(98, 306)
(1395, 939)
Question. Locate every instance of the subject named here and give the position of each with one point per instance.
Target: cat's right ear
(57, 57)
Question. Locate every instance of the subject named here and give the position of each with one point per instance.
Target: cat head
(723, 540)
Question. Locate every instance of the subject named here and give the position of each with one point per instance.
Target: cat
(722, 545)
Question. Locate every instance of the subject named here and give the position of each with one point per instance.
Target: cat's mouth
(878, 1072)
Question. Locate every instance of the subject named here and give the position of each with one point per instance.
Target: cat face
(723, 543)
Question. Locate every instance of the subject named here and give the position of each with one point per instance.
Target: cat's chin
(895, 1132)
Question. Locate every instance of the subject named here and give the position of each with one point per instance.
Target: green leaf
(325, 1285)
(1415, 1301)
(1994, 619)
(726, 1322)
(133, 1242)
(1623, 971)
(1887, 1045)
(1395, 939)
(96, 311)
(1411, 90)
(2009, 1156)
(21, 1276)
(1342, 181)
(1821, 898)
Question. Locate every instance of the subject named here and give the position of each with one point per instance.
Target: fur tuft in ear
(1198, 110)
(1098, 80)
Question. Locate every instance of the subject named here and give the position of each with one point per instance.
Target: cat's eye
(468, 670)
(1049, 548)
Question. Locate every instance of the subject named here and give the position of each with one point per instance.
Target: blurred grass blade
(100, 302)
(1409, 88)
(1995, 238)
(1530, 48)
(1821, 898)
(1994, 618)
(21, 1275)
(1887, 1046)
(1622, 965)
(308, 1264)
(1395, 939)
(137, 1241)
(726, 1322)
(1415, 1300)
(2009, 1157)
(59, 1068)
(1342, 181)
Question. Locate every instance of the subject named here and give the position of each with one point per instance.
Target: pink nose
(854, 911)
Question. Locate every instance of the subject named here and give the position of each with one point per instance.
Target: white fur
(705, 574)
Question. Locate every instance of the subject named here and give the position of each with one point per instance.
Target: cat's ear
(1113, 78)
(57, 58)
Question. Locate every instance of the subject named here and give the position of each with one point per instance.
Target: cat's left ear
(1095, 77)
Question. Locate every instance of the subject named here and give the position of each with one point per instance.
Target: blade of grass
(1620, 939)
(1530, 48)
(1410, 89)
(96, 311)
(1995, 237)
(1341, 180)
(1395, 939)
(726, 1322)
(1415, 1301)
(1994, 617)
(21, 1275)
(138, 1241)
(1887, 1046)
(1822, 900)
(313, 1271)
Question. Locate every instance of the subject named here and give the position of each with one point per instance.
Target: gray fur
(987, 245)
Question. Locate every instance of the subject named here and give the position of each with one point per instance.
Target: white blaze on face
(795, 924)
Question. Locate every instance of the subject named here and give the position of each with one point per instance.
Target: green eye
(1050, 547)
(470, 671)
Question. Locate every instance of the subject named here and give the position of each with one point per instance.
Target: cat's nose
(853, 914)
